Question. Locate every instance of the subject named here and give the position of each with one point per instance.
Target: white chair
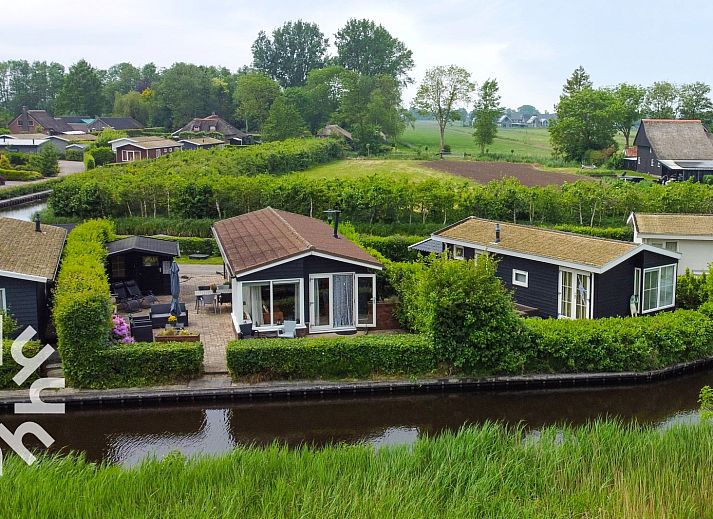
(289, 330)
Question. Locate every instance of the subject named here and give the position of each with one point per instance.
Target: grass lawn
(599, 470)
(397, 169)
(532, 142)
(213, 260)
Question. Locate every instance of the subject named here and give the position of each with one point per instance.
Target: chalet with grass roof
(566, 275)
(691, 235)
(675, 149)
(289, 267)
(30, 253)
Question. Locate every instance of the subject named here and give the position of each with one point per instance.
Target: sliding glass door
(342, 301)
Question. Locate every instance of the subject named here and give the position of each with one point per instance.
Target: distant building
(38, 121)
(676, 149)
(216, 124)
(96, 124)
(333, 130)
(32, 142)
(195, 143)
(130, 149)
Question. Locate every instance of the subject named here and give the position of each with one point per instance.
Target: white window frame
(637, 287)
(455, 252)
(269, 327)
(373, 300)
(517, 283)
(3, 302)
(652, 163)
(590, 293)
(658, 288)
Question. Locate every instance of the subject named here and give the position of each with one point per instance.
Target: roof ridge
(292, 229)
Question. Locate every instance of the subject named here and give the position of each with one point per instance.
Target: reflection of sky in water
(392, 436)
(213, 438)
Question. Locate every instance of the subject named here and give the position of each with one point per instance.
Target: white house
(689, 234)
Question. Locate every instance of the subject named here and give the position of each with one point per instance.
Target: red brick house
(38, 121)
(130, 149)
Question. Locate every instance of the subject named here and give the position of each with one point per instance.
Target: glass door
(366, 299)
(574, 295)
(320, 302)
(343, 300)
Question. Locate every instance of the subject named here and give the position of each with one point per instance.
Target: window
(196, 128)
(118, 267)
(519, 278)
(271, 303)
(150, 261)
(165, 150)
(659, 288)
(366, 299)
(574, 296)
(30, 123)
(458, 252)
(668, 245)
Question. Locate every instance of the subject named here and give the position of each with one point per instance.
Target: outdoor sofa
(159, 314)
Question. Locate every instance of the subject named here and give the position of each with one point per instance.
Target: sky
(529, 46)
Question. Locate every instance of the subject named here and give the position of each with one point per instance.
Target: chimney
(497, 233)
(37, 223)
(334, 214)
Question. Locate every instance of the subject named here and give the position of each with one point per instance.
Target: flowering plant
(172, 319)
(121, 333)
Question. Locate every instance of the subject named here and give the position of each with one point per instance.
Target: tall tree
(528, 111)
(283, 122)
(184, 90)
(694, 102)
(294, 50)
(81, 92)
(660, 100)
(368, 48)
(578, 81)
(132, 104)
(441, 90)
(487, 111)
(254, 94)
(627, 105)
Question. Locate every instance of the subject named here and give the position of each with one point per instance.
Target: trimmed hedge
(145, 364)
(18, 174)
(393, 247)
(619, 344)
(613, 233)
(9, 368)
(334, 357)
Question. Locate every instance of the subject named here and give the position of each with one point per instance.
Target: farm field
(531, 142)
(397, 169)
(483, 172)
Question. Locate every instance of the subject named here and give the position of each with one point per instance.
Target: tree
(294, 50)
(254, 94)
(627, 104)
(371, 50)
(528, 111)
(81, 91)
(184, 91)
(694, 102)
(660, 100)
(487, 111)
(584, 122)
(441, 89)
(283, 122)
(121, 79)
(578, 81)
(47, 161)
(132, 104)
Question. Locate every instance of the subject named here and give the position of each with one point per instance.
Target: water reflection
(127, 435)
(24, 211)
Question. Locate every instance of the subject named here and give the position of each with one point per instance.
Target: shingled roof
(28, 254)
(673, 224)
(260, 238)
(557, 246)
(143, 244)
(678, 139)
(48, 122)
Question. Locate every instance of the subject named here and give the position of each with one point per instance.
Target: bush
(89, 162)
(9, 368)
(15, 174)
(103, 155)
(74, 155)
(619, 344)
(691, 290)
(145, 364)
(35, 187)
(394, 247)
(612, 233)
(337, 357)
(46, 161)
(18, 159)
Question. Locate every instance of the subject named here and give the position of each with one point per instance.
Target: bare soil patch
(484, 172)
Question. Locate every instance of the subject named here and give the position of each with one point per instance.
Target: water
(24, 211)
(127, 435)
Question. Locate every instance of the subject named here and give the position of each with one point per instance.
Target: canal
(126, 435)
(24, 211)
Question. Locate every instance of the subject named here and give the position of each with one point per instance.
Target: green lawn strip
(213, 260)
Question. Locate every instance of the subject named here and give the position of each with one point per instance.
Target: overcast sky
(530, 46)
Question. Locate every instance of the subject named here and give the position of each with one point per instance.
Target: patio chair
(224, 299)
(246, 331)
(141, 330)
(132, 306)
(209, 299)
(135, 292)
(289, 330)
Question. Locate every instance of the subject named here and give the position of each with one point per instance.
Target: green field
(530, 142)
(396, 169)
(600, 470)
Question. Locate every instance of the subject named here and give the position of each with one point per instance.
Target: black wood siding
(26, 301)
(542, 280)
(149, 279)
(614, 288)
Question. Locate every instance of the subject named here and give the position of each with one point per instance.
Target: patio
(215, 329)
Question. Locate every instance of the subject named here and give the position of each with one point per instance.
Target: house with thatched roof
(334, 130)
(215, 124)
(674, 149)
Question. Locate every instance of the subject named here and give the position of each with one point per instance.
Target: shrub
(9, 324)
(46, 161)
(35, 187)
(89, 162)
(619, 344)
(334, 357)
(15, 174)
(394, 247)
(74, 155)
(144, 364)
(691, 290)
(18, 159)
(9, 368)
(103, 155)
(612, 233)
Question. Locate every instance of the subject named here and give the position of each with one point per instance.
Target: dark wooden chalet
(29, 260)
(130, 149)
(289, 267)
(145, 260)
(675, 149)
(563, 274)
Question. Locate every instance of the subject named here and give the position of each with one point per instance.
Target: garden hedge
(9, 368)
(145, 364)
(18, 174)
(334, 357)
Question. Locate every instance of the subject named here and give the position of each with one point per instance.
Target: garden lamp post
(333, 214)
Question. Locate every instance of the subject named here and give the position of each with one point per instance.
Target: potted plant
(173, 335)
(171, 321)
(214, 287)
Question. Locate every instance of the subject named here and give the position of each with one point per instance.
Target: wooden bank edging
(287, 390)
(25, 199)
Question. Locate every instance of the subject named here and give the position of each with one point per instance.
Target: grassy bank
(601, 470)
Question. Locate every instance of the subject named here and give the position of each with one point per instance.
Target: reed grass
(601, 470)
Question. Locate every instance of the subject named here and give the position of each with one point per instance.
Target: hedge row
(393, 247)
(18, 174)
(9, 368)
(338, 357)
(613, 233)
(145, 364)
(35, 187)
